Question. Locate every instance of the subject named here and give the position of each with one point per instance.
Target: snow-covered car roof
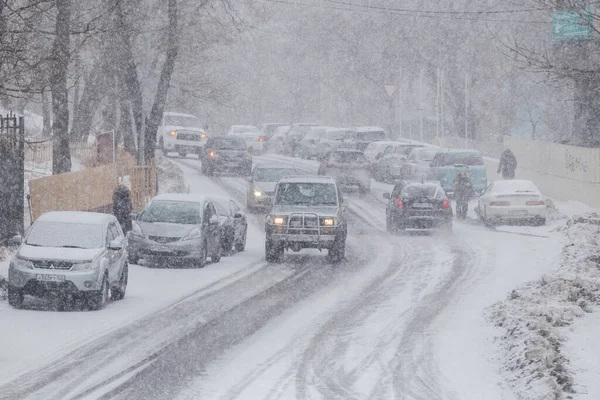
(515, 186)
(178, 114)
(190, 198)
(307, 179)
(79, 217)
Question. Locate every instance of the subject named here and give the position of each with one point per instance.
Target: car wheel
(15, 297)
(539, 221)
(274, 251)
(118, 293)
(338, 251)
(228, 243)
(99, 298)
(215, 258)
(202, 261)
(241, 245)
(133, 258)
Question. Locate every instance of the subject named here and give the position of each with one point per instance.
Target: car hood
(58, 253)
(267, 187)
(165, 229)
(324, 211)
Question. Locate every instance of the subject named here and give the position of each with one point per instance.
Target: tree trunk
(61, 156)
(90, 100)
(586, 124)
(163, 84)
(128, 70)
(125, 127)
(46, 115)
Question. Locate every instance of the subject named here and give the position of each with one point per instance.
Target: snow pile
(4, 257)
(534, 316)
(554, 213)
(170, 176)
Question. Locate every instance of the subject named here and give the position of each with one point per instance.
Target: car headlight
(195, 233)
(211, 154)
(275, 220)
(257, 193)
(137, 231)
(17, 262)
(89, 266)
(173, 133)
(328, 221)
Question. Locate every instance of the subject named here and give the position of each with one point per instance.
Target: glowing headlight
(173, 133)
(328, 222)
(276, 220)
(211, 154)
(204, 136)
(257, 193)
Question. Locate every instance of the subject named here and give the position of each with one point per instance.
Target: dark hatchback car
(226, 154)
(419, 206)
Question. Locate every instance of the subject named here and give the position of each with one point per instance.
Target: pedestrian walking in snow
(508, 164)
(123, 207)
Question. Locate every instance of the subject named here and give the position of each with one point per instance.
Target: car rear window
(348, 157)
(447, 159)
(172, 212)
(227, 144)
(412, 192)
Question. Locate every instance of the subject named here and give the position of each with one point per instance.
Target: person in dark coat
(123, 207)
(508, 164)
(463, 191)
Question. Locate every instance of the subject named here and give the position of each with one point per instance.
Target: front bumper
(64, 281)
(174, 252)
(189, 146)
(323, 238)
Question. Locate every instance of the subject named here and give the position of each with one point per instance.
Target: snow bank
(4, 260)
(535, 315)
(170, 176)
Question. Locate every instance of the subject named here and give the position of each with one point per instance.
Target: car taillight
(260, 139)
(446, 204)
(330, 165)
(536, 203)
(399, 203)
(500, 203)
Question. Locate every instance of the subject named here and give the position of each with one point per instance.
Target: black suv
(221, 154)
(422, 206)
(307, 213)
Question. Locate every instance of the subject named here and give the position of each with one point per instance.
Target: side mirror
(115, 245)
(214, 220)
(133, 216)
(238, 215)
(386, 196)
(15, 240)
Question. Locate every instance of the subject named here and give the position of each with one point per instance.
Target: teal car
(447, 164)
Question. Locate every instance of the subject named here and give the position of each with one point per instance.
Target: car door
(485, 198)
(213, 231)
(112, 256)
(122, 254)
(239, 220)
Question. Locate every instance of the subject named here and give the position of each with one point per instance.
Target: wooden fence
(41, 152)
(91, 189)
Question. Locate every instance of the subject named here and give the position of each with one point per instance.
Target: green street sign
(572, 25)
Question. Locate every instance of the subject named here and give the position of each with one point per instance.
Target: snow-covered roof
(369, 129)
(514, 186)
(78, 217)
(307, 179)
(191, 198)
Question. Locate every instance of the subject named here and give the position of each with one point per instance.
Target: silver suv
(73, 255)
(307, 213)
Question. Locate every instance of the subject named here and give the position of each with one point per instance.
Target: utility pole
(442, 89)
(398, 99)
(466, 109)
(437, 104)
(421, 103)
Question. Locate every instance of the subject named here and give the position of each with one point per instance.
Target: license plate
(517, 212)
(50, 278)
(160, 248)
(422, 205)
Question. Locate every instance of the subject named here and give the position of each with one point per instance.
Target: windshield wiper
(34, 245)
(71, 246)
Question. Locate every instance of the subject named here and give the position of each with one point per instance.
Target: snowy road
(402, 318)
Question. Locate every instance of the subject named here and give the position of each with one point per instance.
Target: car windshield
(348, 157)
(447, 159)
(272, 174)
(335, 135)
(309, 194)
(244, 129)
(227, 144)
(66, 234)
(172, 212)
(403, 150)
(420, 191)
(180, 120)
(425, 154)
(371, 136)
(221, 209)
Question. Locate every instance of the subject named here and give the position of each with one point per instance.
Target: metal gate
(12, 176)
